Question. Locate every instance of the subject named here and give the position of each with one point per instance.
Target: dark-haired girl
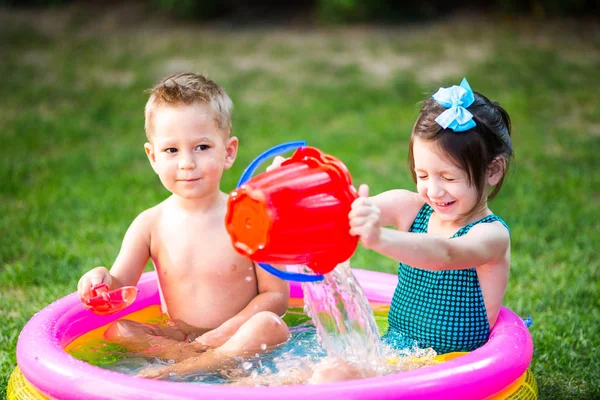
(454, 253)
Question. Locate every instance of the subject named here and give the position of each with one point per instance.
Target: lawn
(73, 173)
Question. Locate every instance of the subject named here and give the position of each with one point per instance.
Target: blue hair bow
(456, 99)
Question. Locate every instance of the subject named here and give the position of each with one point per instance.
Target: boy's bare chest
(198, 250)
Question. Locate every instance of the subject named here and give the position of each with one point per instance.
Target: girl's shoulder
(491, 226)
(399, 207)
(489, 223)
(491, 236)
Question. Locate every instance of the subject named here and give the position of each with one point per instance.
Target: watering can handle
(273, 151)
(246, 175)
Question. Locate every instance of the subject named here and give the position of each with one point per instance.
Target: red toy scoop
(105, 302)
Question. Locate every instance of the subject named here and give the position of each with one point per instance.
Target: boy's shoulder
(150, 215)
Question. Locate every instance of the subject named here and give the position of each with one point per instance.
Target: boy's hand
(365, 219)
(217, 337)
(153, 372)
(91, 278)
(212, 339)
(276, 163)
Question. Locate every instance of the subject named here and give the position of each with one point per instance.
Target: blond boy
(221, 305)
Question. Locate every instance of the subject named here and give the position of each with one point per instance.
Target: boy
(220, 304)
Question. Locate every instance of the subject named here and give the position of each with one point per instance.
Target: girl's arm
(483, 244)
(397, 208)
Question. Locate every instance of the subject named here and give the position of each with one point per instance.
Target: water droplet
(263, 346)
(247, 365)
(249, 278)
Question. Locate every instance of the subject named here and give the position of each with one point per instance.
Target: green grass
(73, 173)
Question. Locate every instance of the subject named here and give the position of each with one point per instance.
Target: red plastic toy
(107, 302)
(295, 214)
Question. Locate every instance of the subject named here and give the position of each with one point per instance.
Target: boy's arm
(483, 244)
(135, 252)
(130, 262)
(273, 295)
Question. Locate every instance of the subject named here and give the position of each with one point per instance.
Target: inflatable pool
(496, 370)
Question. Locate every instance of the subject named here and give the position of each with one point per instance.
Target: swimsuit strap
(490, 218)
(421, 221)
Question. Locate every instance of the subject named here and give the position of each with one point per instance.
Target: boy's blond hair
(186, 89)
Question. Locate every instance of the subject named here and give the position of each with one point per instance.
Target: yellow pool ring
(19, 388)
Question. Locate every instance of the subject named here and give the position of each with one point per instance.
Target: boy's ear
(150, 153)
(231, 148)
(496, 170)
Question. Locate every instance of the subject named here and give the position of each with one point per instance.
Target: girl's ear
(231, 148)
(496, 170)
(151, 155)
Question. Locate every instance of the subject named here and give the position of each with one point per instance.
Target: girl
(454, 253)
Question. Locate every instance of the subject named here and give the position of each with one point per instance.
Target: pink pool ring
(481, 374)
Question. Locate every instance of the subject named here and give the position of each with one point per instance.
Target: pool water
(302, 348)
(334, 321)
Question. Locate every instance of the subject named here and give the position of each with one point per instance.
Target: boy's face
(188, 151)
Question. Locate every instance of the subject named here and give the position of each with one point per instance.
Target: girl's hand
(276, 163)
(91, 278)
(365, 219)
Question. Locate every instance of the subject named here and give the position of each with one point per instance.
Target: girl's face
(441, 183)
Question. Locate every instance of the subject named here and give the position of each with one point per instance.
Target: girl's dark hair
(472, 150)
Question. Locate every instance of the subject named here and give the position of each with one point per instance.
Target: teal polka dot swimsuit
(439, 309)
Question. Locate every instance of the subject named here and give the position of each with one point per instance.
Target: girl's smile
(441, 183)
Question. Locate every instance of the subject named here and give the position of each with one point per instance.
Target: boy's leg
(259, 334)
(335, 370)
(166, 342)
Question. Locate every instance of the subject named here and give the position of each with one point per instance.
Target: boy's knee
(270, 320)
(270, 327)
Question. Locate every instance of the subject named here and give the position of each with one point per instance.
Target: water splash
(344, 320)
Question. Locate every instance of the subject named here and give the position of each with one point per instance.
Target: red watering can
(295, 214)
